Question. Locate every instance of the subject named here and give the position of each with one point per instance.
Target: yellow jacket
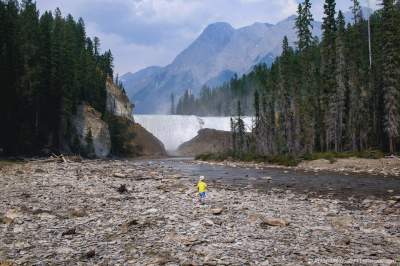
(202, 186)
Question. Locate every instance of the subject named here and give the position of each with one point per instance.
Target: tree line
(48, 66)
(322, 95)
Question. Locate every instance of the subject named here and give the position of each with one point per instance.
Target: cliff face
(87, 118)
(148, 144)
(118, 103)
(207, 141)
(109, 137)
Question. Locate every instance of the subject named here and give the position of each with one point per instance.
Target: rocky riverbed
(388, 166)
(138, 213)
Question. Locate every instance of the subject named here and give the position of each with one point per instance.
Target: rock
(147, 143)
(122, 189)
(208, 222)
(266, 222)
(267, 178)
(5, 220)
(118, 103)
(342, 222)
(127, 225)
(119, 175)
(90, 254)
(6, 263)
(390, 191)
(38, 170)
(11, 215)
(87, 118)
(69, 232)
(77, 212)
(397, 198)
(216, 211)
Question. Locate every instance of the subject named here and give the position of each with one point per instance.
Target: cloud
(141, 33)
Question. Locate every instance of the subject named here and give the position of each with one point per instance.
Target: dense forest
(48, 66)
(322, 95)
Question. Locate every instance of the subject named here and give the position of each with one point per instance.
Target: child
(202, 186)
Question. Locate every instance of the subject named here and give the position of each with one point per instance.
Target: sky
(142, 33)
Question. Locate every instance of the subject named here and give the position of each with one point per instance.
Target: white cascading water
(173, 130)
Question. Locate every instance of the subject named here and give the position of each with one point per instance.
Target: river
(321, 184)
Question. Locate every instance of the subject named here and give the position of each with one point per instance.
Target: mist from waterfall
(173, 130)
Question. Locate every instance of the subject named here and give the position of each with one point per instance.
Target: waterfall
(173, 130)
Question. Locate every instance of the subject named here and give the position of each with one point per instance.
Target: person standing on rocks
(202, 187)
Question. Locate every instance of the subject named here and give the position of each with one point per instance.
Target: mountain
(213, 58)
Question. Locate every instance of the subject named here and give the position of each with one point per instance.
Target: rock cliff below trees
(118, 135)
(118, 103)
(88, 119)
(207, 141)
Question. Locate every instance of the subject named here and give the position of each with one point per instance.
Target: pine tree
(328, 65)
(341, 82)
(304, 26)
(257, 111)
(89, 144)
(356, 11)
(391, 72)
(287, 93)
(305, 40)
(10, 66)
(172, 109)
(241, 131)
(234, 134)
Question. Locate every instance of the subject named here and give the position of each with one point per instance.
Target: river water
(321, 184)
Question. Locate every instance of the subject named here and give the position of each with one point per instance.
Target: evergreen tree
(391, 72)
(241, 131)
(356, 11)
(257, 111)
(172, 109)
(89, 144)
(341, 83)
(328, 69)
(304, 26)
(47, 68)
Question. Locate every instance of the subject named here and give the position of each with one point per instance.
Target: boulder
(266, 221)
(217, 211)
(87, 118)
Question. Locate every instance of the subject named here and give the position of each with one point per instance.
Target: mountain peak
(218, 28)
(213, 58)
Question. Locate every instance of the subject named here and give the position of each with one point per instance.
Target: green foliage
(89, 149)
(48, 67)
(285, 160)
(122, 134)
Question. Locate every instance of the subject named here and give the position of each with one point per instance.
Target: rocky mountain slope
(213, 58)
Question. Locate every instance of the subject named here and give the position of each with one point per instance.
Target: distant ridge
(212, 59)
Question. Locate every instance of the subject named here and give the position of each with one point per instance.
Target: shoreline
(385, 167)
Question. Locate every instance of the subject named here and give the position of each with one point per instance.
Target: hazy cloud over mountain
(152, 32)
